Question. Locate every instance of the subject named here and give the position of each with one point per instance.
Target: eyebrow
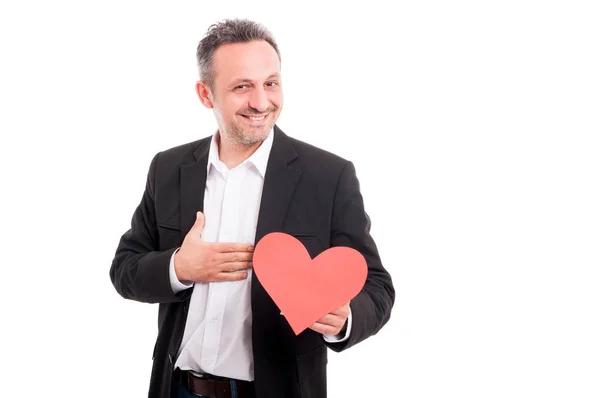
(239, 80)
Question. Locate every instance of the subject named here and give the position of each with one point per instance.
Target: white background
(474, 129)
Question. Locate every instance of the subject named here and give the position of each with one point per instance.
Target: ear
(204, 94)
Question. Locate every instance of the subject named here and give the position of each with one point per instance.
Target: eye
(272, 84)
(241, 87)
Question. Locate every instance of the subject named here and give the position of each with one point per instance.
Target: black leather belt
(213, 386)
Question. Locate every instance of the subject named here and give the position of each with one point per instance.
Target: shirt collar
(258, 159)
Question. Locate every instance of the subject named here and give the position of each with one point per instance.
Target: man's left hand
(333, 323)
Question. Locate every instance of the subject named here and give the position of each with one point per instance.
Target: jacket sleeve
(140, 271)
(371, 308)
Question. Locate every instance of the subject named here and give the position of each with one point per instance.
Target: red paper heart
(305, 289)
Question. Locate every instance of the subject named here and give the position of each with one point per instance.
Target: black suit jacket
(309, 193)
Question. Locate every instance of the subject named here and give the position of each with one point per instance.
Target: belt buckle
(190, 375)
(198, 374)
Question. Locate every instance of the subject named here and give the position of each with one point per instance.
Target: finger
(229, 247)
(324, 329)
(230, 276)
(332, 320)
(342, 311)
(198, 226)
(234, 266)
(234, 257)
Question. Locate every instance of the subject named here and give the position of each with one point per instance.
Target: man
(205, 206)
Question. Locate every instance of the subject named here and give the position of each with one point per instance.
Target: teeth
(257, 118)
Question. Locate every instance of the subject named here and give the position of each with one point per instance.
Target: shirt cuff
(339, 338)
(177, 285)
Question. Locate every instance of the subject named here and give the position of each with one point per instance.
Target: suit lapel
(279, 185)
(278, 188)
(193, 182)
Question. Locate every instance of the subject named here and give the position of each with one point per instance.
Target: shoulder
(319, 159)
(185, 150)
(176, 156)
(321, 169)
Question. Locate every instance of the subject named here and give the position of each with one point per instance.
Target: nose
(259, 100)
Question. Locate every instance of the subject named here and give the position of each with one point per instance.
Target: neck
(232, 154)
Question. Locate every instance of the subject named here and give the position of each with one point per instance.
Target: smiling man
(205, 206)
(245, 95)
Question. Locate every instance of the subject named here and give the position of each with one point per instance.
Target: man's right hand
(200, 261)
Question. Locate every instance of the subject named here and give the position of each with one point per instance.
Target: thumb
(198, 226)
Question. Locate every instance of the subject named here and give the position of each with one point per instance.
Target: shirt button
(215, 319)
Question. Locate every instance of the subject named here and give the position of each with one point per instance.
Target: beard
(249, 136)
(246, 135)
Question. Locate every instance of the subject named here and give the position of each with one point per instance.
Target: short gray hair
(225, 32)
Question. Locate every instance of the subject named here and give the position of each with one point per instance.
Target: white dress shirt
(218, 333)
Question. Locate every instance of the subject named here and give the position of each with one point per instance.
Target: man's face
(246, 96)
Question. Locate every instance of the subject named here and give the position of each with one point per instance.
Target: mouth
(255, 119)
